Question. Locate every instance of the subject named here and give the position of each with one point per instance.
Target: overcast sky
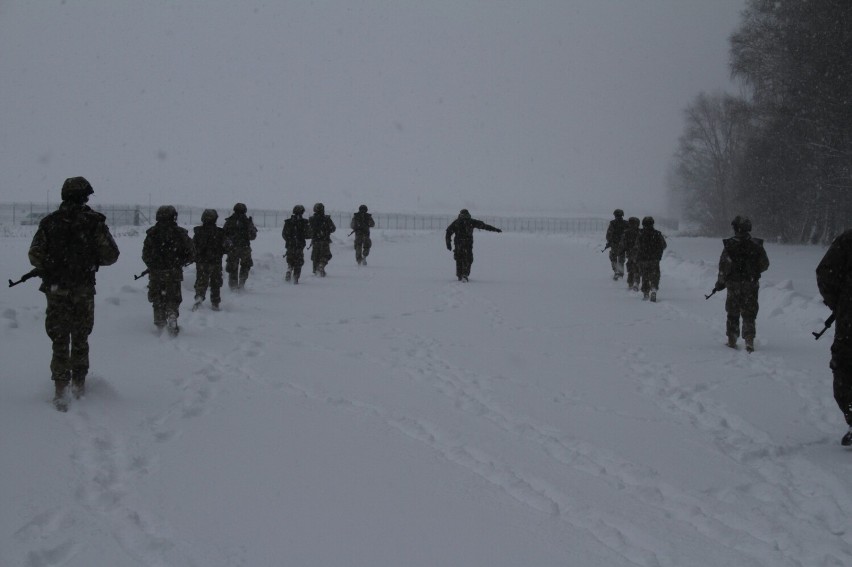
(564, 106)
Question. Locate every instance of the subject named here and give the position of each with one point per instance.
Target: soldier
(166, 250)
(295, 232)
(834, 275)
(361, 223)
(613, 237)
(627, 247)
(69, 246)
(239, 232)
(209, 242)
(649, 251)
(321, 227)
(462, 228)
(743, 260)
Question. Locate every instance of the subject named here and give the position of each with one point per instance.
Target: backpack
(71, 257)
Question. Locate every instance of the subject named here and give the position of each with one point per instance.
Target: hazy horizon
(557, 107)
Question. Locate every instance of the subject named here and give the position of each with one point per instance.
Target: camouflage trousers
(164, 293)
(649, 270)
(741, 303)
(841, 368)
(320, 254)
(362, 247)
(208, 275)
(634, 275)
(616, 260)
(464, 260)
(238, 265)
(295, 258)
(69, 320)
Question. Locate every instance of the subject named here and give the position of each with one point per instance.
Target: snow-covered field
(389, 415)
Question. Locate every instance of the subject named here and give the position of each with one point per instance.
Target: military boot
(172, 324)
(847, 438)
(732, 341)
(60, 401)
(749, 342)
(78, 384)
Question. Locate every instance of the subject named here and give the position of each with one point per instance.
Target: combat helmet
(633, 221)
(319, 208)
(741, 225)
(464, 214)
(648, 222)
(298, 210)
(209, 216)
(166, 213)
(618, 213)
(240, 208)
(362, 209)
(76, 189)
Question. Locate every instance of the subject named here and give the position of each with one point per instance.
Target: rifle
(31, 274)
(147, 271)
(608, 245)
(828, 323)
(712, 293)
(351, 233)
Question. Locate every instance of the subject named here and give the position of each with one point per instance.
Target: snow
(389, 415)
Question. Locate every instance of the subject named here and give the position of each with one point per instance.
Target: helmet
(464, 213)
(166, 213)
(209, 216)
(319, 208)
(240, 208)
(362, 209)
(76, 189)
(633, 221)
(648, 222)
(618, 213)
(741, 224)
(298, 210)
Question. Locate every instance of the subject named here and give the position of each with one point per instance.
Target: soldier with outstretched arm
(462, 229)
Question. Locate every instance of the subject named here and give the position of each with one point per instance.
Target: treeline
(780, 152)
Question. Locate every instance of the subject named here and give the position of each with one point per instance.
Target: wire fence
(138, 215)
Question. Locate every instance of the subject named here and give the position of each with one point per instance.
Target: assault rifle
(31, 274)
(147, 271)
(828, 323)
(608, 245)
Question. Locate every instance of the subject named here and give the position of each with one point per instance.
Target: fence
(138, 215)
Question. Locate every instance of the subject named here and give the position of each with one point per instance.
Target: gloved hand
(498, 230)
(718, 287)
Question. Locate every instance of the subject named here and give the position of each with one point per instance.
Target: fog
(502, 107)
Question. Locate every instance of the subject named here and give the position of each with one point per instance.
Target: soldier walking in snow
(743, 260)
(321, 228)
(649, 251)
(209, 242)
(239, 232)
(627, 247)
(462, 228)
(295, 232)
(614, 232)
(69, 246)
(166, 250)
(834, 279)
(361, 223)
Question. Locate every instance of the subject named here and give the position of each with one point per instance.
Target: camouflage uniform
(742, 261)
(239, 232)
(361, 223)
(295, 233)
(209, 242)
(834, 274)
(321, 228)
(614, 232)
(649, 248)
(463, 228)
(627, 247)
(67, 249)
(166, 250)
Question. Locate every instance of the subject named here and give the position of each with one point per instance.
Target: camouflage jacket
(614, 232)
(743, 259)
(167, 246)
(321, 227)
(361, 223)
(239, 231)
(463, 228)
(649, 245)
(295, 232)
(209, 243)
(69, 246)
